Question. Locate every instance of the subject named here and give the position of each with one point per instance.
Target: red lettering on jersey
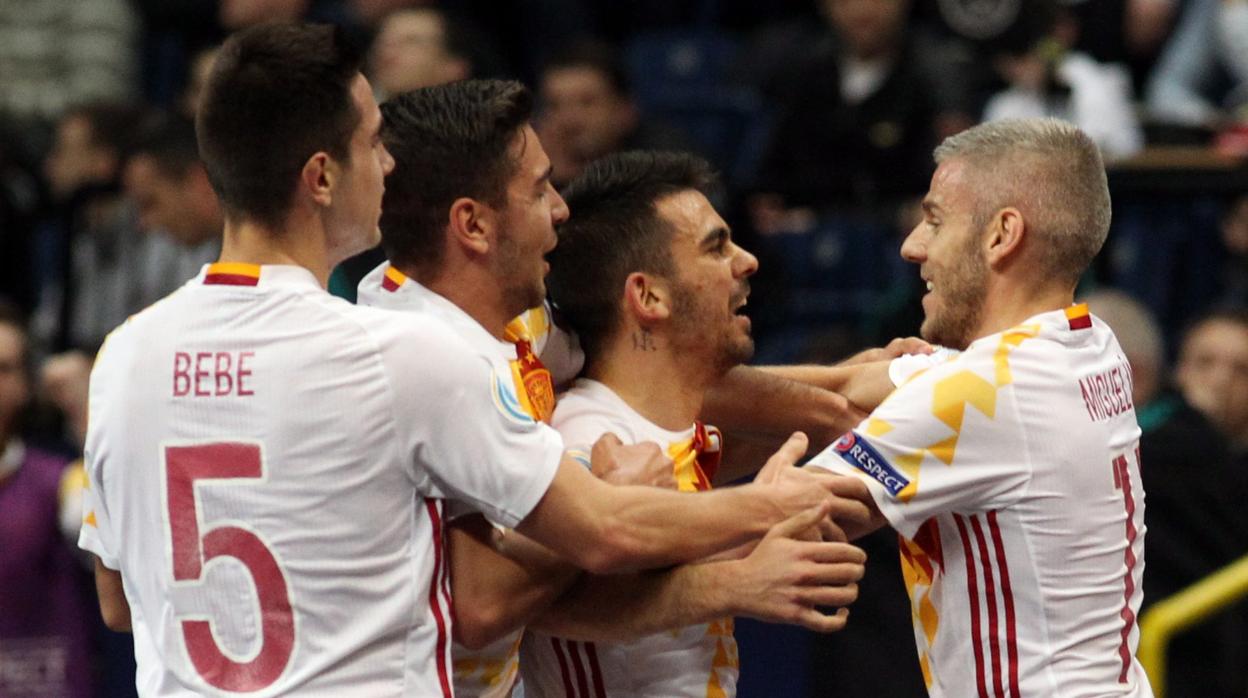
(202, 372)
(1108, 394)
(1087, 400)
(222, 373)
(244, 372)
(181, 373)
(213, 374)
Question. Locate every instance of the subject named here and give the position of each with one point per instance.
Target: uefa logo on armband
(846, 442)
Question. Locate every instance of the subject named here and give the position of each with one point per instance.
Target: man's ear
(647, 298)
(319, 177)
(1005, 236)
(472, 224)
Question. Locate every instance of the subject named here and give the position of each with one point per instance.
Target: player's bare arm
(113, 605)
(624, 528)
(501, 580)
(787, 578)
(765, 404)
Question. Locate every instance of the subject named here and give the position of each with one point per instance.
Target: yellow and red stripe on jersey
(392, 279)
(232, 274)
(1078, 317)
(696, 459)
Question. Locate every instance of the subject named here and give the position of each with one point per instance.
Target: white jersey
(492, 671)
(699, 660)
(267, 466)
(1012, 473)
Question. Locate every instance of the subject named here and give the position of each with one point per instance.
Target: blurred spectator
(588, 111)
(169, 185)
(237, 14)
(45, 616)
(1047, 78)
(1234, 229)
(197, 77)
(418, 47)
(1201, 78)
(860, 122)
(95, 268)
(1196, 524)
(19, 204)
(1212, 373)
(56, 53)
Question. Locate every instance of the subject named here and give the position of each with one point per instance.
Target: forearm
(786, 578)
(499, 585)
(773, 402)
(113, 604)
(607, 529)
(620, 608)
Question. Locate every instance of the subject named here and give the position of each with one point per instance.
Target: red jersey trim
(1078, 317)
(232, 274)
(393, 279)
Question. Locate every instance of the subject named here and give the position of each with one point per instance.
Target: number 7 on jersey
(189, 468)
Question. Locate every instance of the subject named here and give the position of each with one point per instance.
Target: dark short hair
(277, 94)
(169, 140)
(448, 141)
(594, 55)
(615, 229)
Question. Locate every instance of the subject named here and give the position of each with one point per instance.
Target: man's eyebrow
(930, 206)
(716, 234)
(546, 175)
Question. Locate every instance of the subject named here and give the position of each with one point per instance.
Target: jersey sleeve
(98, 535)
(942, 442)
(468, 440)
(907, 366)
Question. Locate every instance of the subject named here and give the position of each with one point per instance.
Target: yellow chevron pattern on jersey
(950, 398)
(490, 673)
(726, 657)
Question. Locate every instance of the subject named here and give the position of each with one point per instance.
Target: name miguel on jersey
(1108, 394)
(212, 373)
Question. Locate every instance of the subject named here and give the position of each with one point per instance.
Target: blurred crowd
(821, 115)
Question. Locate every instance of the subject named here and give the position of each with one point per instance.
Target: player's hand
(788, 576)
(793, 490)
(900, 346)
(638, 464)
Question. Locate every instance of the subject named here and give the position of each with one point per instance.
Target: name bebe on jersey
(862, 455)
(212, 373)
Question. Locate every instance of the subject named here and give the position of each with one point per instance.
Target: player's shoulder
(156, 320)
(590, 408)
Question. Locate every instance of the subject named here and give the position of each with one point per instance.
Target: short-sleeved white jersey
(699, 660)
(558, 349)
(1012, 473)
(492, 671)
(267, 466)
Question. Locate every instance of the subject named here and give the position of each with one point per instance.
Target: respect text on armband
(863, 456)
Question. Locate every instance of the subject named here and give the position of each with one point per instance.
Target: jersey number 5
(191, 549)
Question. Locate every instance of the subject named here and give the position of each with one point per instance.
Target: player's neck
(1007, 306)
(646, 372)
(250, 242)
(472, 291)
